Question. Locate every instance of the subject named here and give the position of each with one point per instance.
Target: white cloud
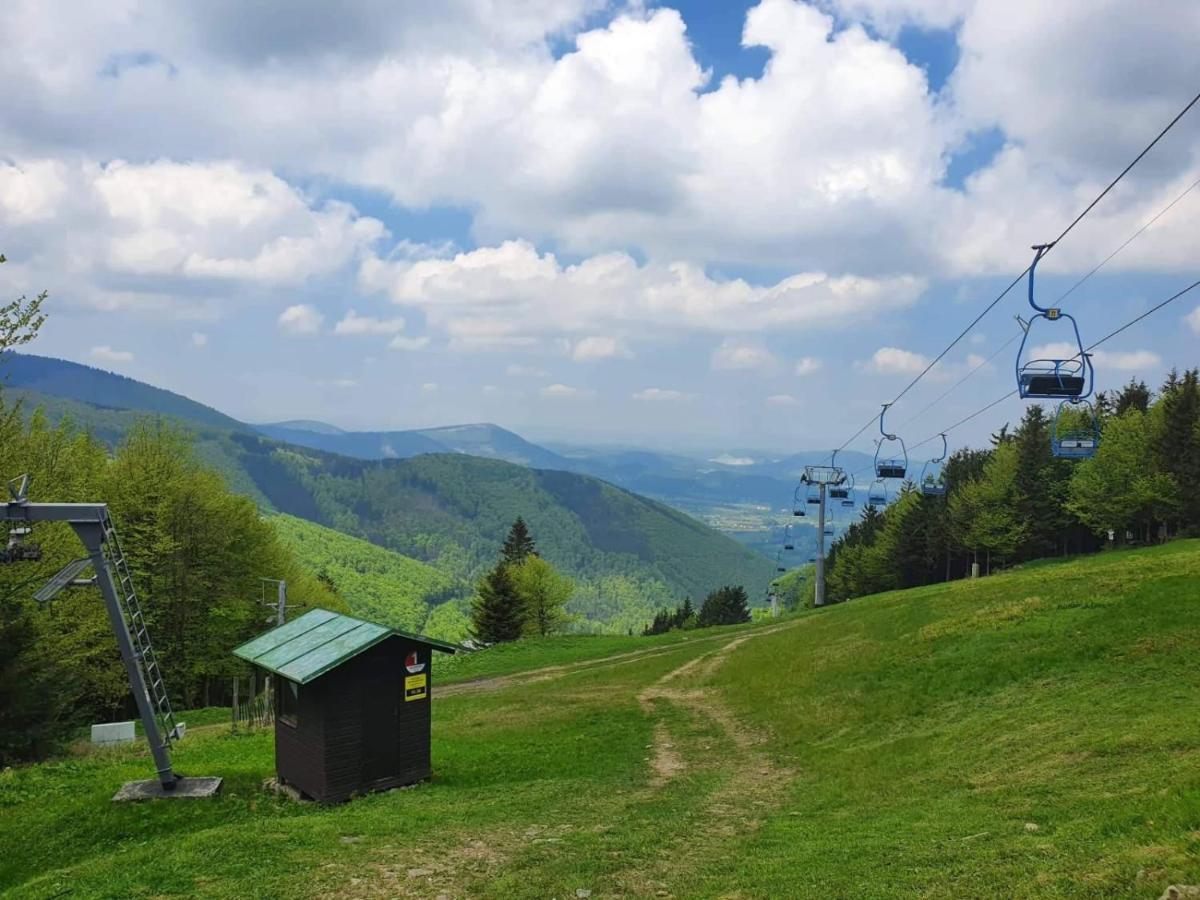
(1193, 319)
(564, 392)
(1120, 360)
(354, 324)
(734, 355)
(106, 354)
(507, 294)
(598, 347)
(781, 400)
(400, 342)
(300, 320)
(199, 339)
(726, 459)
(894, 361)
(1128, 360)
(668, 395)
(978, 338)
(806, 365)
(429, 387)
(345, 383)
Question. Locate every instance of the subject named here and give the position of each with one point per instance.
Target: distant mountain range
(434, 497)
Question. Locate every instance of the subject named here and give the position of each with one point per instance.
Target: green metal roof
(318, 641)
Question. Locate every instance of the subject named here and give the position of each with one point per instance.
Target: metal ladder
(135, 621)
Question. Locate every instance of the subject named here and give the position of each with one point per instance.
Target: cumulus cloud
(564, 392)
(806, 365)
(734, 355)
(106, 354)
(127, 232)
(598, 347)
(1120, 360)
(895, 361)
(354, 324)
(300, 320)
(504, 295)
(667, 395)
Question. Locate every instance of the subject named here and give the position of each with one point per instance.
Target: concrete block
(113, 733)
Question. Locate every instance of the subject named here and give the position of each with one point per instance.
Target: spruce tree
(518, 545)
(496, 612)
(725, 606)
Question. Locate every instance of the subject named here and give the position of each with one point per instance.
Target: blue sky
(690, 225)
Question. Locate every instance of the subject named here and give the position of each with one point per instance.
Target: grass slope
(1028, 735)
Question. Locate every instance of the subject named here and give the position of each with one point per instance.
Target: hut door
(380, 736)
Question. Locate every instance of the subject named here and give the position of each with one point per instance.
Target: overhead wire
(1096, 268)
(1004, 293)
(1112, 334)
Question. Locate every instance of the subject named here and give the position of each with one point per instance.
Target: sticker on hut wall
(413, 664)
(415, 687)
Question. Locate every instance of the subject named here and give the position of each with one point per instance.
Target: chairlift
(933, 484)
(1068, 379)
(1077, 435)
(844, 492)
(840, 490)
(890, 466)
(813, 495)
(20, 548)
(877, 493)
(798, 501)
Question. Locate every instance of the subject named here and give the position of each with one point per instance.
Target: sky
(687, 225)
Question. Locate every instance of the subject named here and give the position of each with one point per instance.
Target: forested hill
(105, 390)
(629, 554)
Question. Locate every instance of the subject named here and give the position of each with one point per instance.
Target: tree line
(1015, 501)
(725, 606)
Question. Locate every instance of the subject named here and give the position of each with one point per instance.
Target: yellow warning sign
(415, 687)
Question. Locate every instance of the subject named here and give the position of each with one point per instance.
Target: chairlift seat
(1049, 385)
(789, 546)
(798, 511)
(839, 493)
(933, 489)
(891, 468)
(848, 503)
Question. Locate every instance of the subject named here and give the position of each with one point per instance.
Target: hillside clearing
(1027, 735)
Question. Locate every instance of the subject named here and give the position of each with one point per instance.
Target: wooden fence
(255, 708)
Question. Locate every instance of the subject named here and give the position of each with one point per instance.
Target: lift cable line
(1100, 265)
(1050, 246)
(1112, 334)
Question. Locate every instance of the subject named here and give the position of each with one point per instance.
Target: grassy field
(1033, 734)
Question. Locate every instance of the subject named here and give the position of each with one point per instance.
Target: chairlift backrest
(1068, 379)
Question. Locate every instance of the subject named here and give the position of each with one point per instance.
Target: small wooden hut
(351, 703)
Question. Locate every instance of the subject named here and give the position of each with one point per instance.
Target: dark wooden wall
(356, 732)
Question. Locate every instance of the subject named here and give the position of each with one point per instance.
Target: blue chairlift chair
(1067, 379)
(933, 483)
(891, 466)
(877, 493)
(1076, 435)
(798, 501)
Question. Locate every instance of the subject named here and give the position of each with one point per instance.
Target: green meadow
(1031, 734)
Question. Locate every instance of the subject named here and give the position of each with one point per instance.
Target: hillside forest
(1014, 501)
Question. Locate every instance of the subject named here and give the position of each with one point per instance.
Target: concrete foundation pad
(153, 789)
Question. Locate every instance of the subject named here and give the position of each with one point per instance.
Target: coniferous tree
(496, 612)
(725, 606)
(1134, 395)
(1177, 442)
(518, 545)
